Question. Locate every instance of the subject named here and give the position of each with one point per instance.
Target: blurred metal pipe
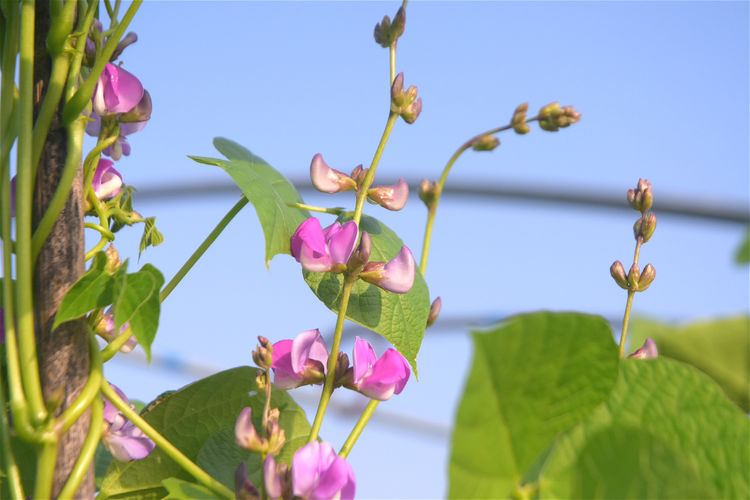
(730, 211)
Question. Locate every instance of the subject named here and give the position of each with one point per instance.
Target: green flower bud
(486, 142)
(645, 226)
(618, 274)
(647, 277)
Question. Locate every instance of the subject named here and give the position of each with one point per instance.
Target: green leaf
(266, 189)
(92, 290)
(400, 318)
(743, 251)
(719, 348)
(102, 459)
(137, 303)
(666, 431)
(191, 419)
(532, 377)
(151, 236)
(183, 490)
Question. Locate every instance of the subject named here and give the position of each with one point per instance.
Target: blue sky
(663, 90)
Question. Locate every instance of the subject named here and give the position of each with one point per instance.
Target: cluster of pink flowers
(303, 361)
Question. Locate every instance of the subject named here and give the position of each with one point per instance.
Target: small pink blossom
(323, 250)
(124, 440)
(391, 197)
(107, 181)
(647, 351)
(117, 91)
(327, 179)
(318, 473)
(378, 378)
(300, 361)
(395, 276)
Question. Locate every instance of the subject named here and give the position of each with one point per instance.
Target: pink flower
(329, 180)
(395, 276)
(324, 250)
(117, 91)
(107, 181)
(124, 440)
(378, 378)
(300, 361)
(391, 197)
(318, 473)
(647, 351)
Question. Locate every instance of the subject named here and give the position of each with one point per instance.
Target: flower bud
(113, 259)
(406, 103)
(552, 117)
(645, 226)
(116, 91)
(327, 179)
(243, 488)
(487, 142)
(434, 311)
(647, 351)
(634, 276)
(245, 433)
(387, 31)
(412, 112)
(358, 174)
(647, 277)
(428, 192)
(263, 355)
(618, 273)
(518, 120)
(107, 181)
(641, 198)
(343, 371)
(397, 87)
(260, 380)
(129, 39)
(276, 435)
(361, 254)
(396, 276)
(140, 113)
(391, 197)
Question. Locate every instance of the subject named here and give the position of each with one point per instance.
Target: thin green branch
(168, 448)
(358, 428)
(111, 349)
(202, 249)
(629, 302)
(45, 469)
(88, 394)
(313, 208)
(88, 450)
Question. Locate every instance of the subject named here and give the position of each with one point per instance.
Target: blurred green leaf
(720, 348)
(136, 301)
(532, 377)
(191, 419)
(666, 431)
(183, 490)
(743, 252)
(92, 290)
(266, 189)
(400, 318)
(151, 236)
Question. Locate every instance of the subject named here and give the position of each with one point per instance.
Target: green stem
(11, 468)
(433, 209)
(88, 394)
(367, 182)
(62, 191)
(88, 450)
(45, 470)
(83, 27)
(102, 230)
(113, 347)
(358, 428)
(168, 448)
(24, 188)
(202, 248)
(82, 96)
(325, 396)
(392, 61)
(313, 208)
(629, 302)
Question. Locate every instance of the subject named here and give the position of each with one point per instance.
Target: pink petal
(647, 351)
(391, 197)
(309, 248)
(117, 91)
(244, 430)
(128, 447)
(363, 358)
(271, 478)
(308, 345)
(328, 180)
(341, 243)
(283, 374)
(107, 181)
(398, 274)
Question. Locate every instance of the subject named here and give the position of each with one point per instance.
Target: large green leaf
(532, 377)
(136, 301)
(720, 348)
(183, 490)
(92, 290)
(400, 318)
(196, 419)
(266, 189)
(666, 431)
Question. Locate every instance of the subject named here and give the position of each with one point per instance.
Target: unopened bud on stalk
(434, 311)
(552, 117)
(129, 39)
(141, 112)
(428, 192)
(361, 255)
(618, 274)
(406, 103)
(641, 198)
(343, 371)
(486, 142)
(634, 276)
(645, 226)
(387, 31)
(276, 435)
(260, 380)
(358, 174)
(113, 259)
(647, 351)
(518, 120)
(263, 355)
(244, 489)
(647, 277)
